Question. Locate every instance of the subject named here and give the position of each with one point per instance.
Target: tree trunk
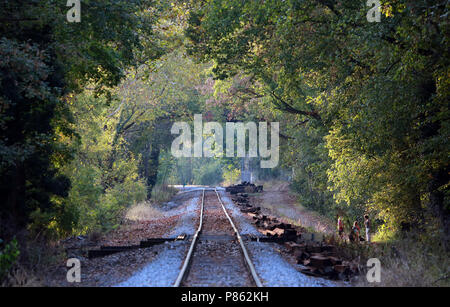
(437, 203)
(152, 169)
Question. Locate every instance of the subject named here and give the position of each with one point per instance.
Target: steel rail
(193, 190)
(187, 260)
(182, 273)
(250, 265)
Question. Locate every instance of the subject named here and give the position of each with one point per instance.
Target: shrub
(8, 257)
(410, 260)
(163, 193)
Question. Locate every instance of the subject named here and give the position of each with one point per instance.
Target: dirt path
(279, 201)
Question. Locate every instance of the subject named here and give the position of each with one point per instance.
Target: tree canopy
(86, 107)
(365, 105)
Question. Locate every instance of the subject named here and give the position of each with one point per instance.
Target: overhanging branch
(284, 106)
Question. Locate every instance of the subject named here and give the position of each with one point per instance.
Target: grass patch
(409, 261)
(274, 185)
(36, 257)
(162, 194)
(143, 212)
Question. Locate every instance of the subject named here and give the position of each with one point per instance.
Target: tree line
(86, 108)
(364, 107)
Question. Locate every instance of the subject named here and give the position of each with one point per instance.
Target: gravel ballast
(271, 267)
(242, 224)
(275, 271)
(162, 271)
(189, 219)
(164, 268)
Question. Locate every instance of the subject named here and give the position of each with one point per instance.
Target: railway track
(217, 255)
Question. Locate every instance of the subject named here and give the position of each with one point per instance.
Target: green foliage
(29, 140)
(208, 173)
(104, 173)
(163, 193)
(86, 108)
(8, 256)
(151, 100)
(364, 106)
(231, 175)
(195, 171)
(45, 59)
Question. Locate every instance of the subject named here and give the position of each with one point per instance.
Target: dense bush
(9, 254)
(104, 173)
(45, 60)
(162, 193)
